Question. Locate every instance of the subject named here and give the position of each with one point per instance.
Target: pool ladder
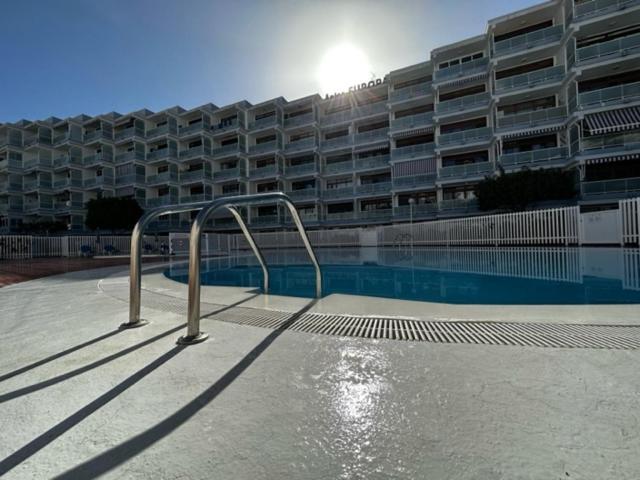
(206, 209)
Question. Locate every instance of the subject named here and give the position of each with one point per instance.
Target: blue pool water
(517, 276)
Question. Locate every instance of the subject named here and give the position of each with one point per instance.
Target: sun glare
(341, 67)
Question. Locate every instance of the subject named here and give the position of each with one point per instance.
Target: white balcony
(618, 48)
(466, 170)
(617, 95)
(527, 41)
(544, 156)
(528, 80)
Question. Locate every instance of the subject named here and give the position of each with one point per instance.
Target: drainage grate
(482, 333)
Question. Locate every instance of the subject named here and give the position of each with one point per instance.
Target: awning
(531, 131)
(412, 131)
(614, 158)
(613, 120)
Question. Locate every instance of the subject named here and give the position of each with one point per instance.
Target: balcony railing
(36, 184)
(97, 159)
(37, 163)
(418, 210)
(98, 182)
(611, 95)
(621, 142)
(67, 182)
(338, 167)
(227, 126)
(129, 133)
(161, 130)
(535, 157)
(194, 152)
(371, 188)
(163, 177)
(601, 7)
(466, 204)
(97, 135)
(264, 172)
(409, 93)
(302, 144)
(67, 136)
(371, 109)
(338, 117)
(413, 181)
(377, 135)
(198, 127)
(231, 149)
(412, 121)
(473, 67)
(67, 160)
(229, 173)
(532, 79)
(239, 189)
(413, 151)
(466, 170)
(544, 36)
(299, 120)
(131, 179)
(467, 136)
(303, 193)
(376, 214)
(301, 169)
(266, 122)
(620, 47)
(338, 142)
(31, 207)
(372, 162)
(265, 147)
(533, 119)
(608, 187)
(262, 220)
(335, 193)
(129, 156)
(194, 175)
(162, 154)
(463, 103)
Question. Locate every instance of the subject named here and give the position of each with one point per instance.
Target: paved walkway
(80, 399)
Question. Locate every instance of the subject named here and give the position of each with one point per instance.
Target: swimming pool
(483, 276)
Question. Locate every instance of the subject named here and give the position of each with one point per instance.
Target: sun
(341, 67)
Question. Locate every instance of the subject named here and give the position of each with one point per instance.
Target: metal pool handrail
(194, 335)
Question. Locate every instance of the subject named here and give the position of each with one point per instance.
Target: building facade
(554, 86)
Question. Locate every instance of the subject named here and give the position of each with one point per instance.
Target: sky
(67, 57)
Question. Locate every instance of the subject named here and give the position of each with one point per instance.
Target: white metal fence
(630, 213)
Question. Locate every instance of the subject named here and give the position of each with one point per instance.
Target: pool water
(517, 276)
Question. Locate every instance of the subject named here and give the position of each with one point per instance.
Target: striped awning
(614, 158)
(412, 132)
(415, 167)
(613, 120)
(531, 131)
(372, 148)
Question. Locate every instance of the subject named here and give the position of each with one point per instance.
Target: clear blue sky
(66, 57)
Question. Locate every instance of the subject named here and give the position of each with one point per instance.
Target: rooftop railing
(531, 79)
(618, 47)
(467, 136)
(408, 93)
(473, 67)
(412, 121)
(413, 151)
(529, 40)
(466, 170)
(535, 157)
(533, 119)
(463, 103)
(618, 94)
(594, 8)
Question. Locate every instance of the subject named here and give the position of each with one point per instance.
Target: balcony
(338, 142)
(533, 79)
(601, 144)
(37, 163)
(97, 135)
(162, 178)
(340, 216)
(623, 187)
(67, 161)
(369, 163)
(37, 140)
(413, 151)
(128, 133)
(533, 119)
(378, 135)
(478, 169)
(303, 194)
(338, 117)
(302, 169)
(374, 188)
(480, 65)
(337, 193)
(97, 182)
(227, 126)
(594, 8)
(459, 204)
(308, 143)
(229, 174)
(131, 179)
(37, 206)
(620, 47)
(97, 159)
(266, 220)
(129, 157)
(267, 122)
(67, 137)
(299, 120)
(414, 181)
(411, 122)
(617, 95)
(338, 167)
(272, 170)
(462, 104)
(458, 139)
(161, 130)
(239, 189)
(527, 41)
(161, 201)
(200, 197)
(35, 184)
(67, 183)
(376, 214)
(370, 109)
(194, 175)
(229, 150)
(417, 210)
(195, 129)
(545, 156)
(162, 154)
(409, 93)
(195, 152)
(265, 147)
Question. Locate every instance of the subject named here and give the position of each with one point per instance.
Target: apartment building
(554, 86)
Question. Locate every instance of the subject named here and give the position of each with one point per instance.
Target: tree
(113, 213)
(518, 190)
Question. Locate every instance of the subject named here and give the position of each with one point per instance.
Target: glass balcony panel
(268, 171)
(427, 179)
(162, 178)
(229, 173)
(594, 8)
(529, 40)
(412, 121)
(377, 214)
(334, 193)
(129, 156)
(417, 210)
(413, 151)
(479, 65)
(372, 162)
(467, 136)
(466, 170)
(379, 134)
(195, 175)
(620, 142)
(533, 119)
(162, 153)
(611, 95)
(299, 120)
(613, 48)
(531, 79)
(302, 193)
(369, 188)
(302, 144)
(463, 103)
(535, 157)
(338, 142)
(300, 169)
(408, 93)
(607, 187)
(338, 167)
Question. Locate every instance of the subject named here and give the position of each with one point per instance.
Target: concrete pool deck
(80, 398)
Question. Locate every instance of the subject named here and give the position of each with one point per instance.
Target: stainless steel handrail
(252, 243)
(194, 335)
